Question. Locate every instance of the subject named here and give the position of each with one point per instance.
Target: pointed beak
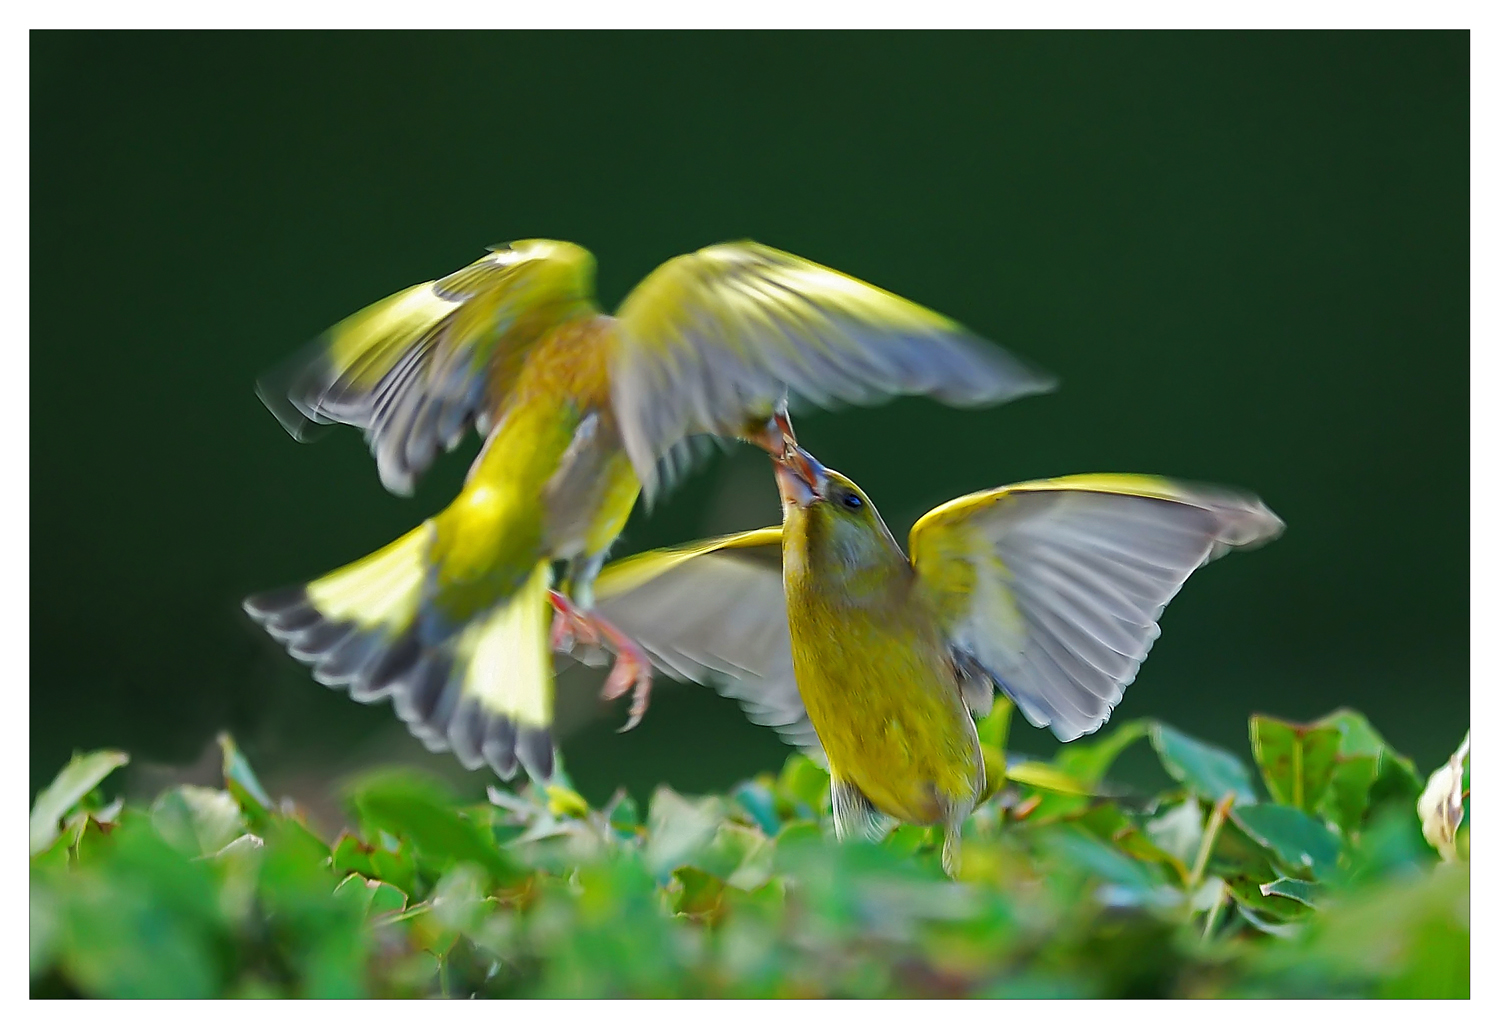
(775, 437)
(800, 478)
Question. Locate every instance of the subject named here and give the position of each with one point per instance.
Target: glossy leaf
(72, 784)
(994, 728)
(1296, 761)
(1178, 830)
(197, 820)
(1250, 894)
(1088, 761)
(420, 811)
(1114, 896)
(1042, 776)
(679, 829)
(1296, 837)
(240, 780)
(1300, 890)
(1396, 774)
(1210, 772)
(1348, 797)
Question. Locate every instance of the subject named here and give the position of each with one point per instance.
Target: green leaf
(1237, 853)
(397, 867)
(197, 820)
(701, 894)
(1349, 796)
(1296, 837)
(1110, 823)
(1090, 762)
(351, 854)
(803, 783)
(1264, 924)
(420, 810)
(1296, 761)
(1208, 771)
(1104, 861)
(142, 921)
(240, 780)
(1299, 890)
(756, 800)
(318, 927)
(45, 926)
(1248, 894)
(1045, 777)
(622, 814)
(679, 829)
(994, 728)
(72, 784)
(85, 836)
(458, 901)
(1358, 737)
(731, 844)
(1099, 897)
(908, 839)
(1087, 763)
(1179, 830)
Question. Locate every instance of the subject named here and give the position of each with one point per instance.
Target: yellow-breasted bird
(577, 408)
(1049, 591)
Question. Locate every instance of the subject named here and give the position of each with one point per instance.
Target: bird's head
(840, 525)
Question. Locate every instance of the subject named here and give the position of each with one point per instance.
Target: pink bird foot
(632, 669)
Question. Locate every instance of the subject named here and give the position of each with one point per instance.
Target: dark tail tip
(264, 607)
(534, 748)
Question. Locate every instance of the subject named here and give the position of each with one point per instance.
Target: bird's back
(543, 436)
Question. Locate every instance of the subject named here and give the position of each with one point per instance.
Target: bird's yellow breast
(881, 693)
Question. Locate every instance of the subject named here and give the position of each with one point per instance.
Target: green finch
(1049, 591)
(579, 409)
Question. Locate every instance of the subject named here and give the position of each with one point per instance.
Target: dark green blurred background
(1246, 255)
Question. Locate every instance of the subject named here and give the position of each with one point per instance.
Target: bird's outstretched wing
(417, 369)
(714, 612)
(710, 341)
(1054, 587)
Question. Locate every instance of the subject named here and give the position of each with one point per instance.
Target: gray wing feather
(720, 619)
(1089, 574)
(712, 340)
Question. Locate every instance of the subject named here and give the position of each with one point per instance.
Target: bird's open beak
(775, 437)
(802, 480)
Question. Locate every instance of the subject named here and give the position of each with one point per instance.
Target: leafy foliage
(1325, 888)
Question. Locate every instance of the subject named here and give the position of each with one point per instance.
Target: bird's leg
(953, 835)
(570, 625)
(632, 669)
(631, 673)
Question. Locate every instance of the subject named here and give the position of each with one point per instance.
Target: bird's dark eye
(852, 501)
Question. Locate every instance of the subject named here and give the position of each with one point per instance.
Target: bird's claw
(632, 669)
(631, 674)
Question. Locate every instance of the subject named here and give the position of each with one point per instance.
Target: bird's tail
(481, 688)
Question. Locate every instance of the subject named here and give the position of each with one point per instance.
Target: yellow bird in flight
(579, 409)
(1049, 591)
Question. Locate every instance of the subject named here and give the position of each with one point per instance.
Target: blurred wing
(417, 369)
(714, 612)
(711, 340)
(1054, 587)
